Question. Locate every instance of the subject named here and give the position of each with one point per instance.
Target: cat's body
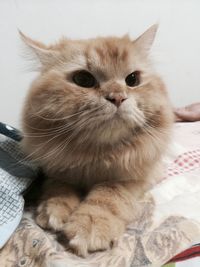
(97, 119)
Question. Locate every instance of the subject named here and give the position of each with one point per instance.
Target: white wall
(177, 47)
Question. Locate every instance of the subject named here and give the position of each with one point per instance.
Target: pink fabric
(186, 162)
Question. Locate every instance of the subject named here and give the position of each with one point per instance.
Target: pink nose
(116, 99)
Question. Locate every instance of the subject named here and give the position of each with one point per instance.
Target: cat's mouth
(131, 117)
(128, 112)
(111, 124)
(117, 127)
(120, 120)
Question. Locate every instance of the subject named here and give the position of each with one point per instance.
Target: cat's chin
(128, 119)
(116, 128)
(112, 137)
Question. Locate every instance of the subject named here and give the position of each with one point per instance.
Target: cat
(98, 120)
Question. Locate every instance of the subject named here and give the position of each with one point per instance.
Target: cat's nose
(116, 99)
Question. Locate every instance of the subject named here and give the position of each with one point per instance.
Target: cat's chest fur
(109, 167)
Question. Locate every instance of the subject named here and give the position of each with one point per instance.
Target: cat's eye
(84, 78)
(133, 79)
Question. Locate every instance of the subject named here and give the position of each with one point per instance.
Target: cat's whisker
(154, 137)
(57, 119)
(53, 152)
(153, 128)
(137, 116)
(150, 133)
(62, 127)
(145, 123)
(148, 111)
(65, 128)
(145, 127)
(76, 132)
(63, 131)
(49, 154)
(37, 114)
(29, 157)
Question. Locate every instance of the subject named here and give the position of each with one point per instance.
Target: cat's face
(100, 90)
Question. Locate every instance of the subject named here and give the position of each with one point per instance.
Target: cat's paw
(52, 214)
(92, 232)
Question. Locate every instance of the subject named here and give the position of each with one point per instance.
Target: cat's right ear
(144, 42)
(46, 56)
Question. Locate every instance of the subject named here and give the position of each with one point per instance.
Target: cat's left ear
(46, 56)
(144, 42)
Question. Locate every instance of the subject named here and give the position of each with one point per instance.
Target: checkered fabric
(16, 174)
(186, 162)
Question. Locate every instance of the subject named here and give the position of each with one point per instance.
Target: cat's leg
(56, 204)
(102, 217)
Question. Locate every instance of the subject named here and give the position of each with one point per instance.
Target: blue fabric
(16, 174)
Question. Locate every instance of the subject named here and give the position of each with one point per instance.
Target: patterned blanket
(168, 223)
(187, 258)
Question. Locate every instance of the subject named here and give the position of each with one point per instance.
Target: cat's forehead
(110, 54)
(112, 49)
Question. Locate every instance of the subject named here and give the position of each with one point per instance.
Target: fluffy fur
(86, 143)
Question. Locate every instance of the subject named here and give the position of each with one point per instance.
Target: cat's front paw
(52, 214)
(92, 232)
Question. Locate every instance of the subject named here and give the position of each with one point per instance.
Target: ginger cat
(97, 119)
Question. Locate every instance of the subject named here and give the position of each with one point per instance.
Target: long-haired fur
(82, 140)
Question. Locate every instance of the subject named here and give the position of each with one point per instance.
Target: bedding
(168, 223)
(16, 175)
(187, 258)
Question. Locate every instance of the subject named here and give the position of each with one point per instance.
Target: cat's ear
(46, 56)
(144, 42)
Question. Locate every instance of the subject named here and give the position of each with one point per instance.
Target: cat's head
(95, 91)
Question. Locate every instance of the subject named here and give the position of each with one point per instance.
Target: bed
(167, 228)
